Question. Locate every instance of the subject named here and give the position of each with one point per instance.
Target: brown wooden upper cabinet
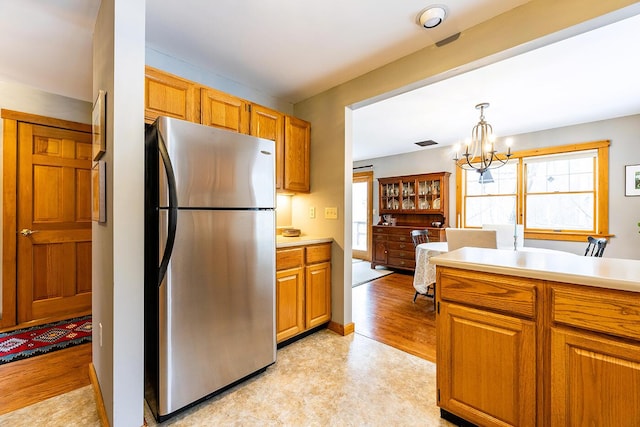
(168, 95)
(173, 96)
(224, 111)
(269, 124)
(297, 146)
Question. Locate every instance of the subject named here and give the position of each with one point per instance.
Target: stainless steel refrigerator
(209, 261)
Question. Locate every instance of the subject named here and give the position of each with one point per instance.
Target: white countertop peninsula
(302, 240)
(610, 273)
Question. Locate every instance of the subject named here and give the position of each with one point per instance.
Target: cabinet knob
(402, 246)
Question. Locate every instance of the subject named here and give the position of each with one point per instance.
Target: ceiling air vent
(426, 143)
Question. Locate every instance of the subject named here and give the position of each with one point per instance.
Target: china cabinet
(409, 202)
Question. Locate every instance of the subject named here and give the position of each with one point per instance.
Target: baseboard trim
(340, 329)
(102, 411)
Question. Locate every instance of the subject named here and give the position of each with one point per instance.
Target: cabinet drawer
(401, 254)
(401, 262)
(318, 253)
(402, 246)
(598, 310)
(400, 238)
(289, 258)
(507, 294)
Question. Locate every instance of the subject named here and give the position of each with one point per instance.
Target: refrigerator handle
(173, 209)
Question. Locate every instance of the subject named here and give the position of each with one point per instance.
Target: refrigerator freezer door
(217, 315)
(217, 168)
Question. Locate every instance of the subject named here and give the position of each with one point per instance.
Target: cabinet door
(595, 381)
(379, 249)
(486, 366)
(269, 124)
(318, 294)
(168, 95)
(297, 146)
(289, 303)
(224, 111)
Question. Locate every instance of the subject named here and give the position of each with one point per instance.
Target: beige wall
(118, 244)
(530, 25)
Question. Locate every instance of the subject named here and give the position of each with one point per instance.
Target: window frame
(601, 190)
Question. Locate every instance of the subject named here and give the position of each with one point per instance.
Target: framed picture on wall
(99, 191)
(632, 180)
(99, 122)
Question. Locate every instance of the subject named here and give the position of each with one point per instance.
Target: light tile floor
(321, 380)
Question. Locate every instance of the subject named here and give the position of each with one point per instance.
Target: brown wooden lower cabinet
(303, 289)
(514, 351)
(393, 246)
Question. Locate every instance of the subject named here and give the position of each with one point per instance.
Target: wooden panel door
(318, 294)
(269, 124)
(289, 303)
(595, 381)
(168, 95)
(297, 146)
(53, 222)
(486, 366)
(224, 111)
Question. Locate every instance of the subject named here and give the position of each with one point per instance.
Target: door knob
(26, 232)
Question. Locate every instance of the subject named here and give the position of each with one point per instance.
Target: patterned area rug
(28, 342)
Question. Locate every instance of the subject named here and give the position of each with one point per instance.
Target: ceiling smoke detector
(432, 16)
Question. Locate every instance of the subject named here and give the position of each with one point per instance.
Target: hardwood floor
(40, 377)
(384, 311)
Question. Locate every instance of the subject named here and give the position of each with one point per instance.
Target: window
(558, 193)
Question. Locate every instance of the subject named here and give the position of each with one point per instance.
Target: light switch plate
(331, 213)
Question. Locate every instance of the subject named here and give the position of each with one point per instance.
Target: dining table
(425, 272)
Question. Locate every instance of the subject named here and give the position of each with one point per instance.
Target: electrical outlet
(100, 333)
(312, 212)
(331, 213)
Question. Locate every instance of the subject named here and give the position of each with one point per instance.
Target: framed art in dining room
(98, 124)
(632, 180)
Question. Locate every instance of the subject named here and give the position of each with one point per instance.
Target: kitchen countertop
(285, 242)
(611, 273)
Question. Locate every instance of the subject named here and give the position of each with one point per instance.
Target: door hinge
(248, 107)
(438, 304)
(438, 395)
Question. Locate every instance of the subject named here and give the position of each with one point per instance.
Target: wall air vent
(426, 143)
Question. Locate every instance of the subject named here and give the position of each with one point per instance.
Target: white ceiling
(589, 77)
(292, 50)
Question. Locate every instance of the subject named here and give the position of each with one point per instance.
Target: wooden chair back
(595, 247)
(419, 236)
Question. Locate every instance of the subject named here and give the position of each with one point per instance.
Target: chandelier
(480, 153)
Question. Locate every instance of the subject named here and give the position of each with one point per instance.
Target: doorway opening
(362, 214)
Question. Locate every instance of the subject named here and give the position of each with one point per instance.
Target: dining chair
(471, 237)
(595, 247)
(418, 237)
